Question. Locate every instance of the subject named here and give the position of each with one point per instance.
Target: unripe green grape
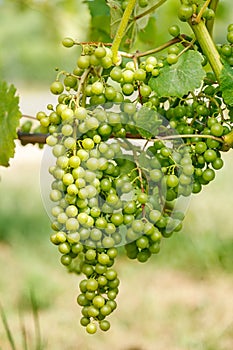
(91, 328)
(66, 259)
(70, 81)
(67, 42)
(88, 144)
(208, 174)
(217, 163)
(151, 60)
(26, 126)
(56, 87)
(226, 50)
(143, 255)
(100, 52)
(78, 71)
(83, 62)
(55, 195)
(67, 130)
(140, 74)
(62, 162)
(104, 325)
(174, 30)
(116, 74)
(208, 14)
(71, 211)
(185, 12)
(216, 129)
(128, 76)
(172, 181)
(210, 155)
(127, 89)
(70, 142)
(51, 140)
(172, 58)
(230, 36)
(145, 90)
(106, 62)
(143, 3)
(110, 93)
(67, 114)
(94, 61)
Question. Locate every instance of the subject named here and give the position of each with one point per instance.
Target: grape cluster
(124, 161)
(226, 49)
(193, 7)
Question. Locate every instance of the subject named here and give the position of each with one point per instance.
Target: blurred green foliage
(31, 34)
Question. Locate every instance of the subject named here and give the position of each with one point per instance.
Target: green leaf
(9, 121)
(179, 79)
(116, 13)
(148, 122)
(97, 10)
(147, 35)
(100, 29)
(226, 84)
(100, 20)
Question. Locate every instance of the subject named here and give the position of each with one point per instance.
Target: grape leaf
(226, 84)
(147, 122)
(180, 78)
(9, 121)
(147, 35)
(100, 20)
(116, 13)
(97, 10)
(134, 26)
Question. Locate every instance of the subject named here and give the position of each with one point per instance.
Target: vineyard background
(184, 295)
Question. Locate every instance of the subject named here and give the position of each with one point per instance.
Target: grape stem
(150, 10)
(207, 45)
(121, 30)
(182, 38)
(28, 117)
(81, 84)
(204, 7)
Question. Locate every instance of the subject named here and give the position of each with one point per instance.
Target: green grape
(56, 87)
(174, 30)
(172, 58)
(230, 36)
(68, 42)
(97, 88)
(83, 62)
(91, 328)
(185, 12)
(143, 3)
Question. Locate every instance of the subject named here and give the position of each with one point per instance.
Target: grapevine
(132, 136)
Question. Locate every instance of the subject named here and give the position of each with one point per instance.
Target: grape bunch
(125, 164)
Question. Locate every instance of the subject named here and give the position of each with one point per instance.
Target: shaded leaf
(179, 79)
(147, 35)
(116, 13)
(100, 29)
(147, 122)
(97, 10)
(226, 84)
(100, 20)
(9, 122)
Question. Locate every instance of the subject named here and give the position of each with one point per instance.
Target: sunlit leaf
(9, 121)
(180, 78)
